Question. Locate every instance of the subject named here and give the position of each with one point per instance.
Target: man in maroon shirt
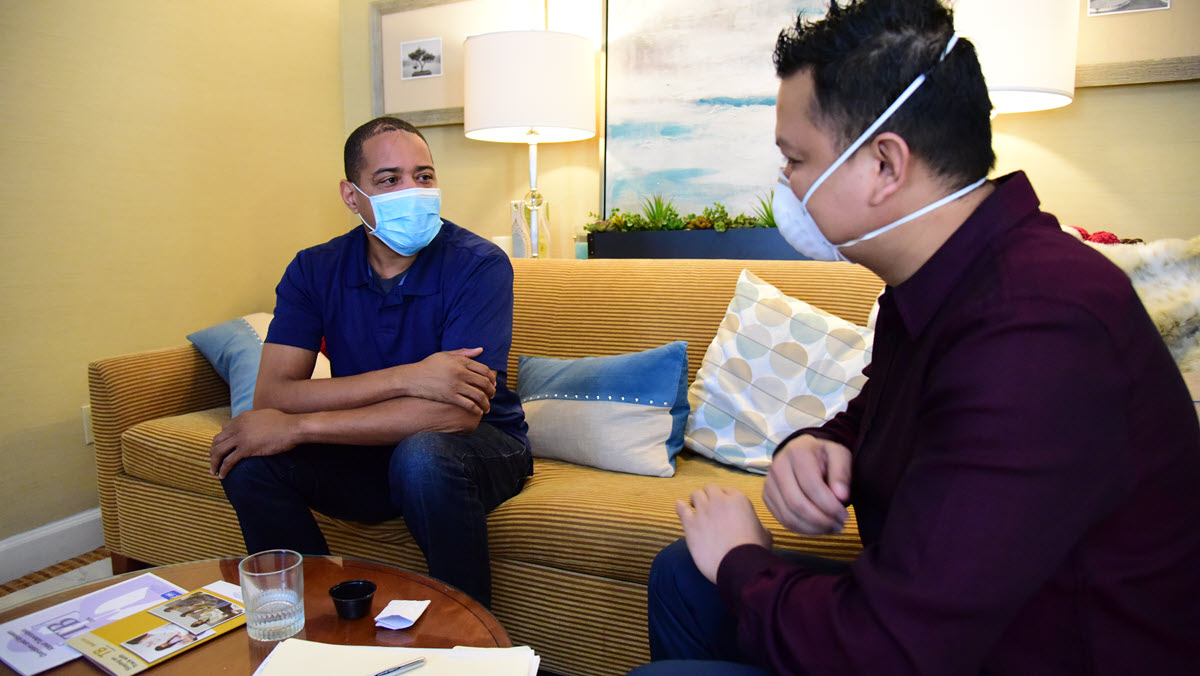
(1024, 460)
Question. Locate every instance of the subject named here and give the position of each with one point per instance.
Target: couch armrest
(131, 389)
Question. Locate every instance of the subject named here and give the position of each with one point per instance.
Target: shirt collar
(919, 297)
(422, 277)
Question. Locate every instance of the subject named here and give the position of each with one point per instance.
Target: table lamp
(1026, 49)
(529, 87)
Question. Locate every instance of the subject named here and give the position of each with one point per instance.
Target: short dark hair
(352, 156)
(864, 54)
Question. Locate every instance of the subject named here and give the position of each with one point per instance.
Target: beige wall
(160, 164)
(1118, 158)
(1135, 36)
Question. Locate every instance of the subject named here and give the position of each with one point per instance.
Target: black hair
(352, 156)
(864, 54)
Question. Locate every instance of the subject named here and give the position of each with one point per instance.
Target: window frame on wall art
(708, 133)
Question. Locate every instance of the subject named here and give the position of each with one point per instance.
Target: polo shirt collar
(423, 276)
(919, 297)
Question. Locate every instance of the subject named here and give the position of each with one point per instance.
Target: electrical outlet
(87, 424)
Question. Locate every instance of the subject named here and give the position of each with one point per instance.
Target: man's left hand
(260, 432)
(717, 520)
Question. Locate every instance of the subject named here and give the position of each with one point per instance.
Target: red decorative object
(1101, 237)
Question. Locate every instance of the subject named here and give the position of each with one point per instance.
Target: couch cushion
(1192, 378)
(568, 517)
(776, 365)
(620, 412)
(612, 525)
(173, 451)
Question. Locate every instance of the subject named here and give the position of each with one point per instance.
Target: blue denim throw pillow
(234, 349)
(624, 413)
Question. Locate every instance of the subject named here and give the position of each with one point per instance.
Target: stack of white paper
(297, 657)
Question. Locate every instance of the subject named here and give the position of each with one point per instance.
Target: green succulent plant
(718, 216)
(658, 213)
(765, 211)
(661, 214)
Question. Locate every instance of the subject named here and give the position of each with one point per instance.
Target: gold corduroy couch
(571, 553)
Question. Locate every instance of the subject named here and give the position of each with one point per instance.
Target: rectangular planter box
(740, 243)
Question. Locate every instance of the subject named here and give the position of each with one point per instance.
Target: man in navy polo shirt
(417, 420)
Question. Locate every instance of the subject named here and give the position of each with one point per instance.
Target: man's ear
(893, 160)
(349, 195)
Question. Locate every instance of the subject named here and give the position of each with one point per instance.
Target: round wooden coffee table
(451, 619)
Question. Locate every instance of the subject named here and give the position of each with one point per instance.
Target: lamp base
(530, 226)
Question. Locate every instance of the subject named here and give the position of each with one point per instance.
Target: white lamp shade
(517, 81)
(1026, 48)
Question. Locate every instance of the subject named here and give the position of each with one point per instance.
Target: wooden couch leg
(124, 564)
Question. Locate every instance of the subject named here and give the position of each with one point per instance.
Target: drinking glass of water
(273, 592)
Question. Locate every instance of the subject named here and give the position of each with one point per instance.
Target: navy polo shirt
(458, 293)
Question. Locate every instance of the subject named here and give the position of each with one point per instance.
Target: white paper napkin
(400, 614)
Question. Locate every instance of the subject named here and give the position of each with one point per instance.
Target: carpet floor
(52, 571)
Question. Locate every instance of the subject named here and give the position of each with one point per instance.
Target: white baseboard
(47, 545)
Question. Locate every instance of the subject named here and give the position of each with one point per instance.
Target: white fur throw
(1166, 275)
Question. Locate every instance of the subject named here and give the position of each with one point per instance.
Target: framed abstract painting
(691, 101)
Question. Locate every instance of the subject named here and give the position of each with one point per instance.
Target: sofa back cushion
(570, 308)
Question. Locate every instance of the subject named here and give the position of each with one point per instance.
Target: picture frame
(432, 100)
(428, 113)
(1107, 7)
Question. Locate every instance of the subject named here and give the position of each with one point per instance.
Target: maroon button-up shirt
(1026, 478)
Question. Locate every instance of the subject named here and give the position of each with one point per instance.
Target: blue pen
(400, 669)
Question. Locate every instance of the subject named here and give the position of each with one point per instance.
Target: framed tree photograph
(422, 58)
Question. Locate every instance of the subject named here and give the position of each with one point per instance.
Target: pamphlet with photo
(135, 643)
(38, 641)
(198, 611)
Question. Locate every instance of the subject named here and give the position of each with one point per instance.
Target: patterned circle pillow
(777, 365)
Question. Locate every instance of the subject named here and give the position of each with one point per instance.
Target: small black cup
(352, 598)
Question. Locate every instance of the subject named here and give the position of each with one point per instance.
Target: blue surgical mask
(405, 220)
(798, 226)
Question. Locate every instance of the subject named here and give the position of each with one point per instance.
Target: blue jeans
(690, 628)
(442, 484)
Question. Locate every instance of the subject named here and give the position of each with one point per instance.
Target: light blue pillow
(624, 412)
(234, 348)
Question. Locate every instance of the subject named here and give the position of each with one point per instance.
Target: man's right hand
(453, 378)
(807, 485)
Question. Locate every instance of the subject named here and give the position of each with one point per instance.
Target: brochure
(37, 641)
(135, 643)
